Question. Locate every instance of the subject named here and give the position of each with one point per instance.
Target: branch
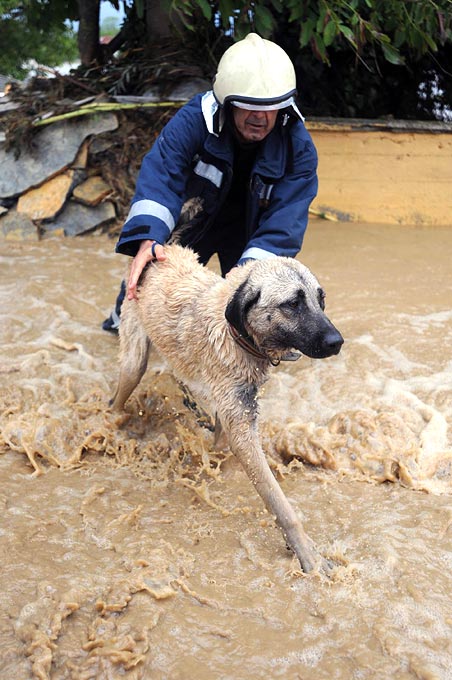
(103, 106)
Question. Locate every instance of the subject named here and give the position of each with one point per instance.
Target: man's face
(253, 126)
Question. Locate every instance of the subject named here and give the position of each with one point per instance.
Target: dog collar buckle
(291, 356)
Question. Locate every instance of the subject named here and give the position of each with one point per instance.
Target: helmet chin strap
(218, 120)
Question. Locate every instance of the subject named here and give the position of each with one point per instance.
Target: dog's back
(174, 283)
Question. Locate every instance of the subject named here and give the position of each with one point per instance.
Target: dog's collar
(248, 345)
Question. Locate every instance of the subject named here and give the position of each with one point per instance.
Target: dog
(220, 337)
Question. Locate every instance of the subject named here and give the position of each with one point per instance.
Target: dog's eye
(295, 302)
(321, 296)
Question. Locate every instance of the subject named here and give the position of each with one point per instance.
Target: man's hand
(148, 251)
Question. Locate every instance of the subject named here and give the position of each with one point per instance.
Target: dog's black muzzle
(319, 342)
(325, 345)
(313, 336)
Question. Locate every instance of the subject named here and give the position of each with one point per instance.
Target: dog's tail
(134, 352)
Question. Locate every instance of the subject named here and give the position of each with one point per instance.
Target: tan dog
(220, 336)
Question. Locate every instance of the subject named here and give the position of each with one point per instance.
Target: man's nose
(260, 115)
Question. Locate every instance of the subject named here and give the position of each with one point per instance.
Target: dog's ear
(239, 305)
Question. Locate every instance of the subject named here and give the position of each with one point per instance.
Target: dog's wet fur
(186, 312)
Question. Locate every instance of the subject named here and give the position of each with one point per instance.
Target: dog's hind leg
(244, 441)
(134, 353)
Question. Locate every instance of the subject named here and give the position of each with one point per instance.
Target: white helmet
(255, 74)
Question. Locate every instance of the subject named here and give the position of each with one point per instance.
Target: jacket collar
(212, 112)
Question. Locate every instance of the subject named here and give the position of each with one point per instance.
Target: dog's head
(280, 306)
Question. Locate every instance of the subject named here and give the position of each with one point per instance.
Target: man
(233, 172)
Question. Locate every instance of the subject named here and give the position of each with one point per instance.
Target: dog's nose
(332, 342)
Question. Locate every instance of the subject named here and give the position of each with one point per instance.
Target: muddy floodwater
(131, 548)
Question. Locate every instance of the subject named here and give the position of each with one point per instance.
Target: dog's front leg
(244, 441)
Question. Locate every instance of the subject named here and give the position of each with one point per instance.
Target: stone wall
(49, 188)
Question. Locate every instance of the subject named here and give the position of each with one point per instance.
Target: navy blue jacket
(191, 158)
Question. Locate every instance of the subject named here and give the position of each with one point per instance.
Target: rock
(100, 144)
(47, 200)
(77, 219)
(81, 159)
(92, 191)
(54, 149)
(16, 227)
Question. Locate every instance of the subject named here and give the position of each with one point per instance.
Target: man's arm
(160, 191)
(161, 182)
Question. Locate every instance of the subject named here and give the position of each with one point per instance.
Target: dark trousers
(227, 240)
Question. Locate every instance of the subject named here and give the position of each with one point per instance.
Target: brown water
(130, 550)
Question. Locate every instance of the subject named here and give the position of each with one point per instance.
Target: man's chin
(255, 135)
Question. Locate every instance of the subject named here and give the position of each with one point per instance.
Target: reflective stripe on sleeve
(153, 209)
(257, 254)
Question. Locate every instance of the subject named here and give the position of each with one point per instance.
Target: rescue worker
(237, 162)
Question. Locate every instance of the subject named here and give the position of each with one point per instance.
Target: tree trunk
(88, 32)
(157, 21)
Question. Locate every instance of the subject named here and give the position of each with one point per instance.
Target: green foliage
(385, 28)
(35, 29)
(353, 58)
